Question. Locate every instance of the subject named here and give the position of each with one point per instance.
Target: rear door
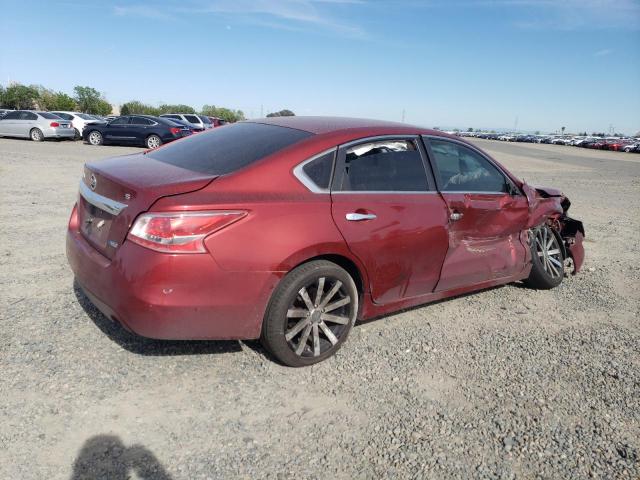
(139, 128)
(385, 204)
(487, 215)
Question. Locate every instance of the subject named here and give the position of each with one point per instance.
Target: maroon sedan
(291, 228)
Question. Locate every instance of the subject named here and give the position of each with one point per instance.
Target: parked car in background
(143, 130)
(217, 122)
(190, 127)
(186, 241)
(174, 117)
(35, 125)
(78, 120)
(202, 122)
(618, 145)
(632, 147)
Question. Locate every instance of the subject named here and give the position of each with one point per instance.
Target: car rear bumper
(171, 296)
(53, 132)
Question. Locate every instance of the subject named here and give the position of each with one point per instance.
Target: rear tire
(153, 141)
(36, 135)
(303, 325)
(95, 138)
(547, 259)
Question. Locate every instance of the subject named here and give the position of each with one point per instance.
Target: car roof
(322, 125)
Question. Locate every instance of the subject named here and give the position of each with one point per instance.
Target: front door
(386, 207)
(117, 130)
(487, 216)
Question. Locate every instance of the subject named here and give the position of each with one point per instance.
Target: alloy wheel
(153, 141)
(95, 138)
(318, 317)
(36, 135)
(548, 251)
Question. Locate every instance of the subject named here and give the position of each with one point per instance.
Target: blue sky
(457, 63)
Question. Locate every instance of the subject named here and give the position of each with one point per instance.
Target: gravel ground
(505, 383)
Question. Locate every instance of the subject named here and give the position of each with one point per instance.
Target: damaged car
(289, 229)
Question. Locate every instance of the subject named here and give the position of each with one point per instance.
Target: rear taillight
(54, 124)
(175, 130)
(180, 232)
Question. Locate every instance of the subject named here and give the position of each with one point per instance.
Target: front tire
(36, 135)
(95, 138)
(547, 259)
(310, 314)
(153, 141)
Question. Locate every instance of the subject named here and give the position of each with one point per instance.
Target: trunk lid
(113, 192)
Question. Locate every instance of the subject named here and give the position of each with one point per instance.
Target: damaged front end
(548, 205)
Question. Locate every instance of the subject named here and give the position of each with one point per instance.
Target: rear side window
(225, 150)
(384, 166)
(319, 170)
(192, 119)
(48, 116)
(140, 121)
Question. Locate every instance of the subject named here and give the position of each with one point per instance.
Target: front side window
(12, 116)
(460, 169)
(120, 121)
(384, 166)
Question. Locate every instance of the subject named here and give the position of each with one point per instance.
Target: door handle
(359, 217)
(455, 216)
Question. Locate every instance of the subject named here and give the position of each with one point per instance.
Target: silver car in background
(35, 125)
(200, 122)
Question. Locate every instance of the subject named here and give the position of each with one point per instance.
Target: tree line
(28, 97)
(89, 100)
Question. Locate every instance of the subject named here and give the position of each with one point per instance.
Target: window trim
(341, 157)
(427, 138)
(299, 173)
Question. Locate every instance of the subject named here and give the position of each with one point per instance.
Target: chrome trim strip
(381, 192)
(464, 192)
(298, 172)
(103, 203)
(380, 138)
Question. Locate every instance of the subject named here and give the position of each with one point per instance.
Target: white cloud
(603, 52)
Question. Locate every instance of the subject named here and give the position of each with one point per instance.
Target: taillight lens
(182, 232)
(174, 130)
(54, 124)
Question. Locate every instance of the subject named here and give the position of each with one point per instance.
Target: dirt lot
(506, 383)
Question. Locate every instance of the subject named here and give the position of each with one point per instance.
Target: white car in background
(79, 120)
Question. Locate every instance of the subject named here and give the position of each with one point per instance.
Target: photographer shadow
(105, 456)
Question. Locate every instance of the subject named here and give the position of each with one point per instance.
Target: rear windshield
(49, 116)
(84, 116)
(204, 119)
(225, 150)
